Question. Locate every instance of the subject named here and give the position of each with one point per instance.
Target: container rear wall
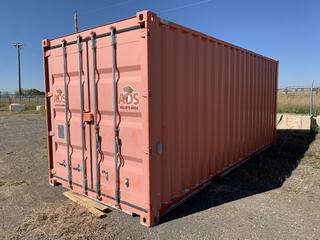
(212, 105)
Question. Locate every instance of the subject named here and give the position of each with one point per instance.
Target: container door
(71, 118)
(119, 105)
(100, 116)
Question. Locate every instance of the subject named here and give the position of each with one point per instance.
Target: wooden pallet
(94, 207)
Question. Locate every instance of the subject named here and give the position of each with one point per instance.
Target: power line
(185, 6)
(127, 1)
(106, 7)
(92, 11)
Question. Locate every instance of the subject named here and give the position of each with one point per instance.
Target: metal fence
(287, 90)
(304, 100)
(28, 100)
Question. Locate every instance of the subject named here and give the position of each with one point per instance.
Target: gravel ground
(275, 195)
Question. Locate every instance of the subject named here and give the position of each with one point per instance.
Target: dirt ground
(275, 195)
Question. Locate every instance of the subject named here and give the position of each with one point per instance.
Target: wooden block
(85, 202)
(92, 202)
(96, 212)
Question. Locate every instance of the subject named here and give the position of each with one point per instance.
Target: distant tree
(30, 92)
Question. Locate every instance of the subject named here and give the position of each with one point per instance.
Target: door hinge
(145, 33)
(148, 151)
(47, 53)
(146, 94)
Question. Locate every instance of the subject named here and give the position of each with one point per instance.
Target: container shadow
(263, 172)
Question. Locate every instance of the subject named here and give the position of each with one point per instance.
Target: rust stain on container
(143, 114)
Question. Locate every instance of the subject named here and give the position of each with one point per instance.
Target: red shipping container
(141, 113)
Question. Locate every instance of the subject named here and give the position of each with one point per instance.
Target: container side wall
(212, 106)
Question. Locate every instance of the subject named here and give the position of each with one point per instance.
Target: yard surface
(275, 195)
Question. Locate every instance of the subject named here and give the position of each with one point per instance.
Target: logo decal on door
(58, 96)
(129, 99)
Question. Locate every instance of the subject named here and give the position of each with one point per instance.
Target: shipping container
(142, 113)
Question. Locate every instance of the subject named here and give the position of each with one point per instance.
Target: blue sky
(285, 30)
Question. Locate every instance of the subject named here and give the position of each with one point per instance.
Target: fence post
(311, 99)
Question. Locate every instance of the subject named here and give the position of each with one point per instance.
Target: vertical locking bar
(66, 109)
(95, 115)
(115, 111)
(82, 124)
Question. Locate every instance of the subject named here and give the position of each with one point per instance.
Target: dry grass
(297, 102)
(63, 221)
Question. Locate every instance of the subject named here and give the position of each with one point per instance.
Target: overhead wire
(103, 8)
(185, 6)
(92, 11)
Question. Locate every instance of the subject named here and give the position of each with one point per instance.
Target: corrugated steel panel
(188, 108)
(214, 105)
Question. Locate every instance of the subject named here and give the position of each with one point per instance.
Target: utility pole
(76, 22)
(18, 47)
